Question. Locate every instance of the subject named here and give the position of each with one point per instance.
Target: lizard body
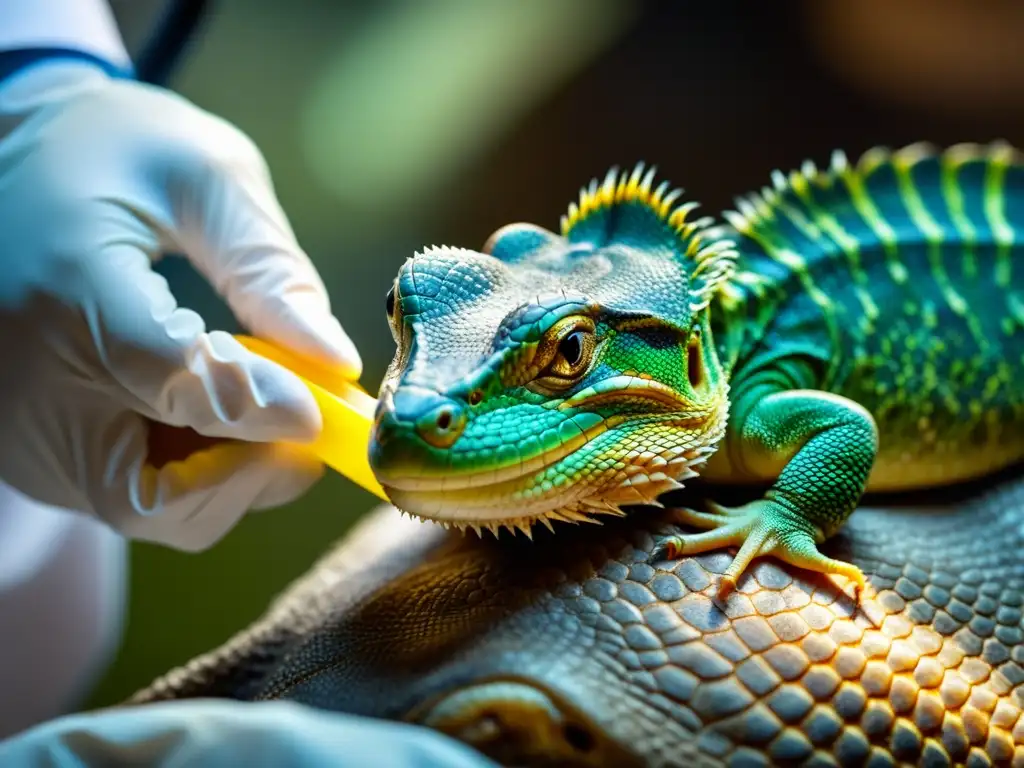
(856, 328)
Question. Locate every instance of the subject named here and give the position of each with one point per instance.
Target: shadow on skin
(584, 649)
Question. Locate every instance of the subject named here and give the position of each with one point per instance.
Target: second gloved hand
(214, 733)
(98, 178)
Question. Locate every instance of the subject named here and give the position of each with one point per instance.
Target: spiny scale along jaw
(556, 376)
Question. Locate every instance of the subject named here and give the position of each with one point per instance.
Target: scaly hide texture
(585, 649)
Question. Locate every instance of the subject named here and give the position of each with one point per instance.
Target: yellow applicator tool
(347, 412)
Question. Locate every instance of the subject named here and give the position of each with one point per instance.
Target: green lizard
(850, 329)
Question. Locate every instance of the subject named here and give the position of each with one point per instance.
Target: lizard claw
(760, 528)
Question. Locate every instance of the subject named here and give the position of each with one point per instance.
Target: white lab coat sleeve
(62, 594)
(79, 25)
(62, 575)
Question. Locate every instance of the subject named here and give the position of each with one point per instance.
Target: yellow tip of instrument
(347, 412)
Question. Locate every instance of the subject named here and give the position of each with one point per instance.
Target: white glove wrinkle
(97, 178)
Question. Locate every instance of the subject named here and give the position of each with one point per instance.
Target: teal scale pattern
(899, 281)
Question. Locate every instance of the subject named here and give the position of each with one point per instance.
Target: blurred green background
(390, 125)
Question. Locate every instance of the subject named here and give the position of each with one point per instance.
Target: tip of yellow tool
(347, 412)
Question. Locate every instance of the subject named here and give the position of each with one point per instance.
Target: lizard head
(556, 375)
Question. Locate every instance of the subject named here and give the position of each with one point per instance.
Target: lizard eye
(574, 354)
(574, 345)
(394, 310)
(389, 303)
(571, 349)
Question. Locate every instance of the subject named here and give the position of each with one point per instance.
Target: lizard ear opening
(514, 242)
(695, 363)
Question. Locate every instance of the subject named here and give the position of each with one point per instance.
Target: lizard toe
(761, 528)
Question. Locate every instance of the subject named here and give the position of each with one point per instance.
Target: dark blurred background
(390, 125)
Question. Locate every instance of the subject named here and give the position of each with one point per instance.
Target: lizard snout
(414, 412)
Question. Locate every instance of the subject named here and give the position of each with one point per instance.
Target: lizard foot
(762, 527)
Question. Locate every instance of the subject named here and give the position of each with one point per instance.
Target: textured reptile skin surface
(580, 649)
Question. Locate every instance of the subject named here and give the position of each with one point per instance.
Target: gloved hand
(214, 733)
(98, 178)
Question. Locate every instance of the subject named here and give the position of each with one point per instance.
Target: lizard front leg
(821, 448)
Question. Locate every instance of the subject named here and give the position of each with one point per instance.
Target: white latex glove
(216, 733)
(98, 178)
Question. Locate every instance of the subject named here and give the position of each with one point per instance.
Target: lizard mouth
(491, 478)
(512, 506)
(411, 473)
(619, 461)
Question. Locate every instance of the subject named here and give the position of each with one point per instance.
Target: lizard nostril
(578, 737)
(476, 397)
(442, 425)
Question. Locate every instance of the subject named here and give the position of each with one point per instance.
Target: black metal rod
(161, 53)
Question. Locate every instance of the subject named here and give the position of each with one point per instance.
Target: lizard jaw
(641, 486)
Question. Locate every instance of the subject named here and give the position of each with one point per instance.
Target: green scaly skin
(851, 329)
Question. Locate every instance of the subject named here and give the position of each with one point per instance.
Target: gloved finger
(162, 363)
(230, 224)
(211, 733)
(192, 502)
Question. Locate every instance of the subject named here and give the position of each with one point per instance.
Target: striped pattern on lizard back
(902, 278)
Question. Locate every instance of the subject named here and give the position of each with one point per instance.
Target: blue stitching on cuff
(12, 62)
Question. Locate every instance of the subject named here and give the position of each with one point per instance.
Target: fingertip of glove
(338, 347)
(348, 356)
(308, 328)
